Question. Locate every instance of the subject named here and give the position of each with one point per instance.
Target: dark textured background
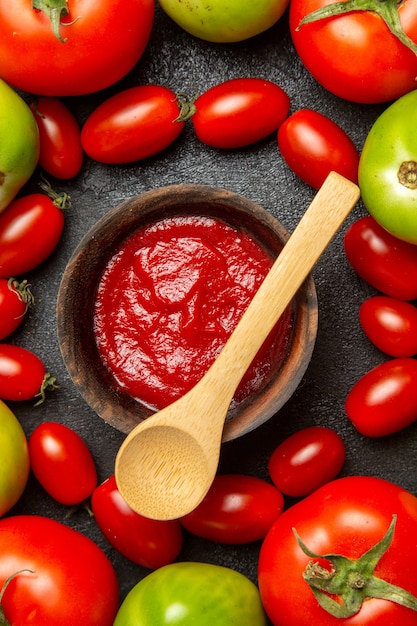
(342, 353)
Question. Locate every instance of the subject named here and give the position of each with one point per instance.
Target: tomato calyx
(386, 9)
(61, 200)
(55, 10)
(407, 174)
(48, 383)
(23, 292)
(352, 581)
(186, 106)
(3, 620)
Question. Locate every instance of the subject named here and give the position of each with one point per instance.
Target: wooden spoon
(167, 463)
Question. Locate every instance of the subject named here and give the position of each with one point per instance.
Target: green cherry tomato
(388, 169)
(187, 594)
(14, 466)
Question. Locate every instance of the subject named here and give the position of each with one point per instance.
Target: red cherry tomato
(15, 299)
(132, 125)
(313, 145)
(62, 463)
(22, 374)
(237, 509)
(307, 460)
(390, 324)
(147, 542)
(239, 112)
(30, 229)
(61, 153)
(382, 260)
(384, 400)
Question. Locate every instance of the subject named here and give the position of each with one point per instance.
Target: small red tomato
(383, 261)
(147, 542)
(61, 153)
(313, 145)
(62, 463)
(307, 460)
(384, 400)
(239, 112)
(30, 228)
(15, 299)
(22, 374)
(132, 125)
(237, 509)
(390, 324)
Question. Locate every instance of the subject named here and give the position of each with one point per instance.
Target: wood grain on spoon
(166, 464)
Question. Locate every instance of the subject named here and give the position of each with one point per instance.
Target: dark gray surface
(342, 353)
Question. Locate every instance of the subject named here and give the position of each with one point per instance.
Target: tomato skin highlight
(149, 543)
(390, 324)
(383, 261)
(61, 153)
(71, 579)
(313, 145)
(306, 460)
(384, 400)
(62, 463)
(237, 509)
(239, 112)
(134, 124)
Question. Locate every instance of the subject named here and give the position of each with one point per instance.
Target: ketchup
(168, 300)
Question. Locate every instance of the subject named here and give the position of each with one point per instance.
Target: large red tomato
(304, 581)
(83, 47)
(353, 54)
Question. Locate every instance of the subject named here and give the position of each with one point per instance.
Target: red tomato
(313, 145)
(347, 516)
(354, 55)
(134, 124)
(30, 228)
(237, 509)
(22, 374)
(306, 460)
(15, 299)
(66, 580)
(61, 153)
(384, 400)
(239, 112)
(382, 260)
(62, 463)
(149, 543)
(94, 46)
(390, 324)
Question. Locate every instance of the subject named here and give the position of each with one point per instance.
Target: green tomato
(14, 466)
(224, 21)
(388, 169)
(19, 144)
(192, 594)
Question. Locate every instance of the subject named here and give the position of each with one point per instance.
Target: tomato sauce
(168, 300)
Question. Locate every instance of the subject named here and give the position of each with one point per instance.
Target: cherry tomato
(382, 260)
(390, 324)
(352, 52)
(61, 153)
(307, 460)
(22, 374)
(239, 112)
(237, 509)
(15, 299)
(62, 463)
(313, 145)
(71, 47)
(346, 517)
(30, 228)
(384, 400)
(132, 125)
(147, 542)
(60, 576)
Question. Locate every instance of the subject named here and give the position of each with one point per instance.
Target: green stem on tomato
(55, 10)
(3, 620)
(386, 9)
(352, 581)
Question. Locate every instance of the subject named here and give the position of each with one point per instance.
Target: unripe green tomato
(14, 466)
(224, 21)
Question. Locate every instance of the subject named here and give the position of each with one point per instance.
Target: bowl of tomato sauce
(153, 291)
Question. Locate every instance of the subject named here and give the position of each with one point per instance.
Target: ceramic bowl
(77, 294)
